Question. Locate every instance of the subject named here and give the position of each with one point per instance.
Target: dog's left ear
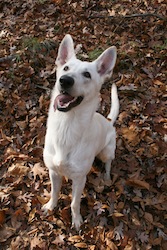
(66, 50)
(106, 62)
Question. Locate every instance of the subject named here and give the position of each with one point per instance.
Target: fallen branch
(7, 58)
(42, 87)
(132, 16)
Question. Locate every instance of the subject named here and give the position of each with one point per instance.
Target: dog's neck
(75, 121)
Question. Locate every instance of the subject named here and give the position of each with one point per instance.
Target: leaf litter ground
(128, 212)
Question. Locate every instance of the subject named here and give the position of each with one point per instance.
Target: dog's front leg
(78, 185)
(56, 181)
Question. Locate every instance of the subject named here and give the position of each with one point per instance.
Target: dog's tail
(114, 104)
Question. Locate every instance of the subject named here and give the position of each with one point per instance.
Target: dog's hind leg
(108, 169)
(106, 156)
(110, 155)
(78, 185)
(56, 181)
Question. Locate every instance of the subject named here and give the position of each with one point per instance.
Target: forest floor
(128, 212)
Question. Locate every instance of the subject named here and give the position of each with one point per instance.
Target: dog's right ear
(66, 50)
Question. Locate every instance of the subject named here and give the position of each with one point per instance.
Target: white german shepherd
(76, 133)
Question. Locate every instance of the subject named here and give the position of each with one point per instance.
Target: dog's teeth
(74, 99)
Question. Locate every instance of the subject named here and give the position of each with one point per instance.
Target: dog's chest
(62, 140)
(66, 136)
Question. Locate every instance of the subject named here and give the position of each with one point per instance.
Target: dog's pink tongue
(62, 100)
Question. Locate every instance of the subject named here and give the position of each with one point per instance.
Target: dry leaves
(128, 212)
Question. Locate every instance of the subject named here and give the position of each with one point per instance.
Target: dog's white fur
(75, 137)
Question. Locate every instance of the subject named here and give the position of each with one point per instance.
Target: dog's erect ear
(106, 62)
(66, 50)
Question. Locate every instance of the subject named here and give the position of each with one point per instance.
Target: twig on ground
(143, 15)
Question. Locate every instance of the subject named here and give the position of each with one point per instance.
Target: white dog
(76, 133)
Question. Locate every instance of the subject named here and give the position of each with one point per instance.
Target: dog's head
(80, 81)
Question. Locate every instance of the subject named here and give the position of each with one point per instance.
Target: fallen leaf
(38, 170)
(2, 217)
(131, 135)
(138, 184)
(6, 232)
(143, 236)
(118, 231)
(110, 245)
(81, 245)
(75, 238)
(59, 240)
(148, 217)
(118, 215)
(32, 215)
(38, 243)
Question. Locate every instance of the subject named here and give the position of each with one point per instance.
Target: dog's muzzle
(64, 101)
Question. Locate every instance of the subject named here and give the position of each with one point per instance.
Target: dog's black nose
(66, 82)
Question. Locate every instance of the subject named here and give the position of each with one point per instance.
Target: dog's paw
(49, 206)
(77, 221)
(107, 177)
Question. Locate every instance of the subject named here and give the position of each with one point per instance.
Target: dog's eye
(66, 68)
(86, 74)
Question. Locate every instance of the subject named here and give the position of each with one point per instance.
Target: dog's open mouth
(64, 102)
